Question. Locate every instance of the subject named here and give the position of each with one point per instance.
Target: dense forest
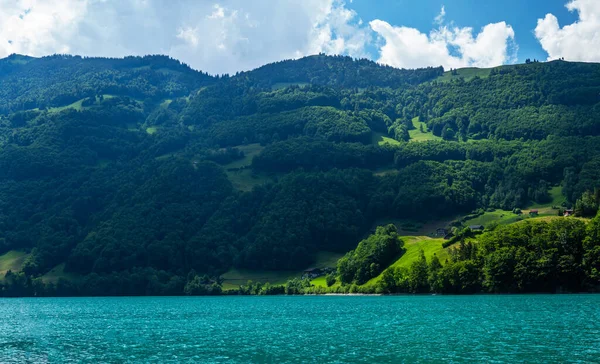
(143, 176)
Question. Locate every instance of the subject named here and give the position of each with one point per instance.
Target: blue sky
(522, 15)
(225, 36)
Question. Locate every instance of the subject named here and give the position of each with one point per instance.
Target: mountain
(30, 83)
(135, 174)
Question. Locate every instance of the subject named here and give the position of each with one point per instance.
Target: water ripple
(403, 329)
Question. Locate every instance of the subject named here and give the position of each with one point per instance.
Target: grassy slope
(236, 277)
(557, 199)
(416, 135)
(12, 260)
(246, 180)
(434, 246)
(77, 105)
(58, 272)
(320, 282)
(503, 217)
(413, 245)
(242, 177)
(250, 151)
(500, 217)
(466, 73)
(382, 139)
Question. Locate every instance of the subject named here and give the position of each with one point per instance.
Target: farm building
(569, 212)
(534, 212)
(441, 232)
(312, 273)
(477, 227)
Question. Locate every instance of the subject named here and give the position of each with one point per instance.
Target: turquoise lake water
(511, 329)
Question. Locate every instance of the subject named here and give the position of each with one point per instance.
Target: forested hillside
(143, 176)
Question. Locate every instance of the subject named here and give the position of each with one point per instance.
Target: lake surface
(540, 328)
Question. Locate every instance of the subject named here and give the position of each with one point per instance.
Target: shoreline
(328, 294)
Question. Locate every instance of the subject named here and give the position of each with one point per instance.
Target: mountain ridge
(152, 175)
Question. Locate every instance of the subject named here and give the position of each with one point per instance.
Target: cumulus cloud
(449, 46)
(225, 36)
(579, 41)
(33, 27)
(216, 36)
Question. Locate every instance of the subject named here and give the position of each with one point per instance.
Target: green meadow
(413, 246)
(382, 139)
(503, 217)
(12, 260)
(78, 105)
(239, 172)
(416, 135)
(465, 73)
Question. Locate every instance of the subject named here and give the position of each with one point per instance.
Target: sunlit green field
(413, 246)
(320, 282)
(78, 105)
(416, 135)
(466, 73)
(557, 199)
(502, 217)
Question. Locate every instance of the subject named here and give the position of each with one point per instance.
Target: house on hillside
(312, 273)
(569, 212)
(533, 213)
(477, 227)
(441, 232)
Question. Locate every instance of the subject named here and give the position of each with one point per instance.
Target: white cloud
(441, 16)
(451, 47)
(579, 41)
(219, 12)
(217, 36)
(222, 36)
(34, 27)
